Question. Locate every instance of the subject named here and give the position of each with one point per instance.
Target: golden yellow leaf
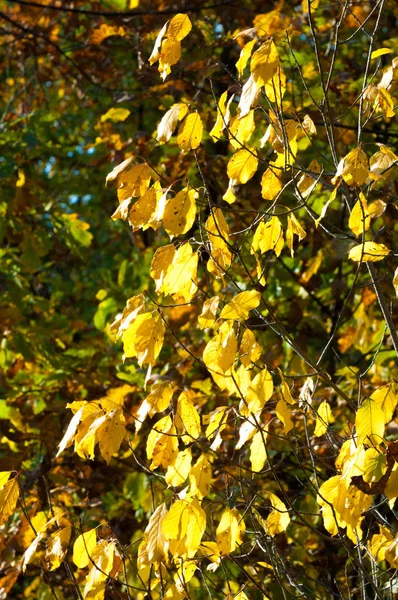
(162, 443)
(375, 465)
(241, 129)
(240, 306)
(268, 236)
(279, 518)
(249, 349)
(180, 279)
(83, 548)
(156, 542)
(144, 338)
(115, 115)
(178, 472)
(271, 183)
(209, 311)
(259, 392)
(264, 63)
(391, 489)
(283, 413)
(169, 122)
(184, 527)
(4, 477)
(57, 547)
(387, 398)
(222, 118)
(368, 252)
(161, 261)
(9, 495)
(380, 52)
(307, 182)
(359, 220)
(111, 434)
(369, 422)
(353, 168)
(242, 166)
(179, 27)
(293, 227)
(179, 214)
(258, 452)
(187, 419)
(170, 54)
(200, 477)
(141, 212)
(217, 422)
(230, 531)
(190, 132)
(244, 56)
(324, 417)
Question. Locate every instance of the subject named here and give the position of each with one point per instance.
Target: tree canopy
(199, 288)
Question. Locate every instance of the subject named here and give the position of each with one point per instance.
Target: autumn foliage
(199, 355)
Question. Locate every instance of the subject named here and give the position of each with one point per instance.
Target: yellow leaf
(158, 42)
(179, 27)
(111, 434)
(377, 208)
(169, 122)
(293, 227)
(286, 393)
(375, 466)
(368, 252)
(283, 413)
(242, 166)
(161, 262)
(271, 183)
(132, 181)
(264, 63)
(190, 132)
(369, 423)
(353, 168)
(220, 352)
(307, 182)
(222, 118)
(241, 129)
(170, 54)
(184, 527)
(115, 115)
(279, 518)
(359, 220)
(268, 236)
(144, 338)
(380, 52)
(141, 213)
(217, 422)
(241, 305)
(258, 452)
(276, 86)
(259, 392)
(324, 417)
(179, 214)
(156, 542)
(249, 349)
(230, 531)
(178, 472)
(187, 419)
(208, 314)
(244, 57)
(83, 548)
(387, 398)
(391, 489)
(57, 547)
(200, 477)
(4, 477)
(180, 279)
(9, 495)
(162, 444)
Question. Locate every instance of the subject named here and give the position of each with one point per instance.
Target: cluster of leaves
(245, 444)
